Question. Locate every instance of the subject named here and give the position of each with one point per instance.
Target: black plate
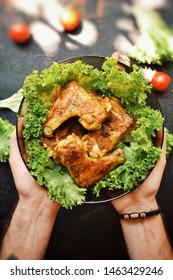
(96, 61)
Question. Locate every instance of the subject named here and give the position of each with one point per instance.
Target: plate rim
(103, 58)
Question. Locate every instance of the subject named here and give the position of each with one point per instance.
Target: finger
(121, 57)
(116, 54)
(16, 162)
(162, 161)
(20, 139)
(159, 168)
(14, 150)
(164, 146)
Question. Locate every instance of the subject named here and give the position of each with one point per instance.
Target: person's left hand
(143, 198)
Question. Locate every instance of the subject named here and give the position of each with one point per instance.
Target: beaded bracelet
(139, 215)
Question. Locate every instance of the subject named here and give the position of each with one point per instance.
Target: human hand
(143, 198)
(28, 189)
(32, 222)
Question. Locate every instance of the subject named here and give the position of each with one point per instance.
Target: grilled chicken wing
(85, 170)
(73, 100)
(98, 143)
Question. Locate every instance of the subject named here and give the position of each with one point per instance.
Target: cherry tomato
(70, 19)
(19, 32)
(160, 81)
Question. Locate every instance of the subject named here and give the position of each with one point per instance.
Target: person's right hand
(29, 191)
(33, 219)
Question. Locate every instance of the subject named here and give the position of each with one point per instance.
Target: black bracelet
(140, 215)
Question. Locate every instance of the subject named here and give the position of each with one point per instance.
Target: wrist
(126, 205)
(139, 215)
(139, 206)
(40, 201)
(37, 210)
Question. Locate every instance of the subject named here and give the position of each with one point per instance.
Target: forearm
(147, 239)
(29, 232)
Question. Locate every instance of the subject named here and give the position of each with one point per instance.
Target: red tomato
(70, 19)
(19, 32)
(160, 81)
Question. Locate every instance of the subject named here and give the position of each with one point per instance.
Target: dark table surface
(88, 231)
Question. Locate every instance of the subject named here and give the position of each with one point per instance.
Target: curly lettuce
(130, 88)
(140, 155)
(169, 141)
(155, 42)
(6, 128)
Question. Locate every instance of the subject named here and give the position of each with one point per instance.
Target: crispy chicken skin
(73, 100)
(67, 128)
(98, 143)
(85, 170)
(81, 131)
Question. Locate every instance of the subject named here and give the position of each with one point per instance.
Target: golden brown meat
(85, 170)
(71, 126)
(81, 131)
(98, 143)
(73, 100)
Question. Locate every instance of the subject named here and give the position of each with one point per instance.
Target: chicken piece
(84, 170)
(49, 143)
(73, 100)
(98, 143)
(71, 126)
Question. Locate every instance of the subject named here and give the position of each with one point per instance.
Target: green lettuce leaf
(155, 42)
(130, 88)
(6, 129)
